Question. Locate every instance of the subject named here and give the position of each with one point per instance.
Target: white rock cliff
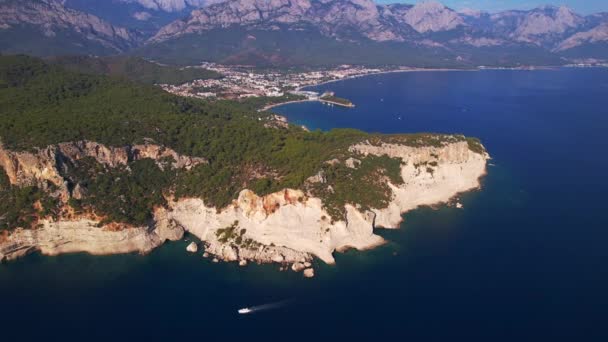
(285, 227)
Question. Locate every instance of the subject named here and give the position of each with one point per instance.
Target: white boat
(244, 311)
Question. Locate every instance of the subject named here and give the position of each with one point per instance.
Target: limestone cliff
(432, 176)
(84, 235)
(44, 165)
(289, 226)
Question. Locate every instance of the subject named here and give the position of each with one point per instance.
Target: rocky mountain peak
(432, 16)
(548, 20)
(568, 16)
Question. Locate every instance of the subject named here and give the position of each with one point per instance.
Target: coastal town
(242, 82)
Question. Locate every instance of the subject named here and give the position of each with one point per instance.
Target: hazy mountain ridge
(45, 22)
(330, 17)
(547, 26)
(395, 22)
(178, 27)
(146, 16)
(597, 34)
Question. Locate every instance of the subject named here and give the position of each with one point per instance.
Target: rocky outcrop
(45, 165)
(288, 227)
(192, 247)
(309, 273)
(298, 267)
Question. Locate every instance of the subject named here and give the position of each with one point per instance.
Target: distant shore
(270, 106)
(392, 71)
(381, 73)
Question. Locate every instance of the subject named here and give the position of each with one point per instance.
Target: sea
(525, 259)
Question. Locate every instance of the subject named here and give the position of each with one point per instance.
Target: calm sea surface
(525, 260)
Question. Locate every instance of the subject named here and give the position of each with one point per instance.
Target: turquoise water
(525, 259)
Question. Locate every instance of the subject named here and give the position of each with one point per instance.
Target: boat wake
(264, 307)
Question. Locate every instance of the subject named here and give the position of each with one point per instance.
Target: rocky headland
(289, 227)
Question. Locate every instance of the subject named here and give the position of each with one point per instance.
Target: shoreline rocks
(309, 273)
(298, 267)
(192, 247)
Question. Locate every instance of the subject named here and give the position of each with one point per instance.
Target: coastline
(394, 71)
(288, 227)
(381, 73)
(303, 88)
(475, 69)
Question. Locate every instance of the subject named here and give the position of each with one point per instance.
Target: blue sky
(581, 6)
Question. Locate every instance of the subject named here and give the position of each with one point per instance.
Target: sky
(581, 6)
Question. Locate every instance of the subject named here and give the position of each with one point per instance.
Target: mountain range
(147, 16)
(302, 32)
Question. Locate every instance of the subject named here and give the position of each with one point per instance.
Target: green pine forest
(132, 68)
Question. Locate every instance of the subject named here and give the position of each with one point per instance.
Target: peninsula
(331, 99)
(80, 173)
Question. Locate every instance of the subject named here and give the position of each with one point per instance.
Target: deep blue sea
(525, 260)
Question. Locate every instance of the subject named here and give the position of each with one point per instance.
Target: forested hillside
(42, 105)
(132, 68)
